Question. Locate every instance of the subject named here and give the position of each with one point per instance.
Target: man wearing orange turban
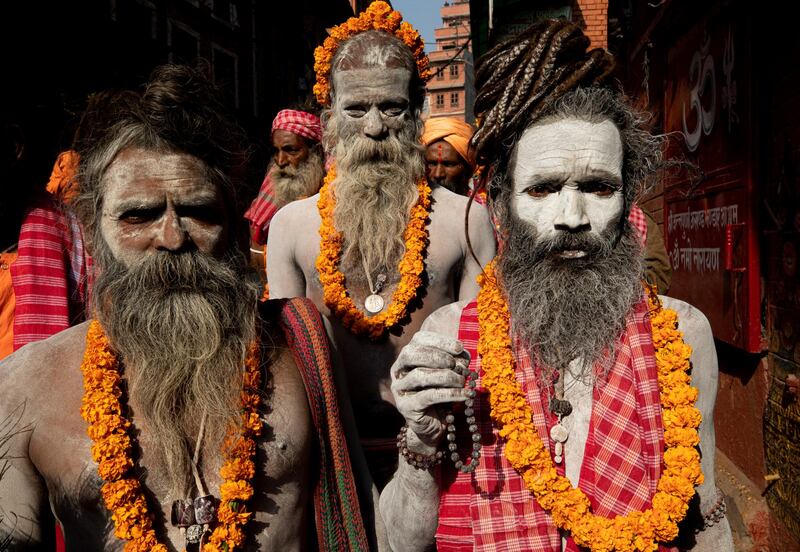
(449, 160)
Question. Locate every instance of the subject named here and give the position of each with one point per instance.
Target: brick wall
(592, 15)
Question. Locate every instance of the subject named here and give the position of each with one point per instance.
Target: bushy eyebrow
(602, 175)
(557, 177)
(199, 200)
(138, 204)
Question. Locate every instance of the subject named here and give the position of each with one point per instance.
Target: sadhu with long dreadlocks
(571, 398)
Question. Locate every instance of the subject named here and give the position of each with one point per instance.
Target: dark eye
(208, 214)
(598, 187)
(355, 111)
(542, 190)
(139, 216)
(393, 109)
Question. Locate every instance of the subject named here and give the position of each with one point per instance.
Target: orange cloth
(7, 304)
(62, 179)
(454, 132)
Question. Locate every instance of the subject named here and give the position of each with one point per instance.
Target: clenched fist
(427, 373)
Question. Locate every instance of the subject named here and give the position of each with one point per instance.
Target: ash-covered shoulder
(450, 209)
(698, 335)
(445, 320)
(446, 202)
(691, 320)
(38, 367)
(296, 214)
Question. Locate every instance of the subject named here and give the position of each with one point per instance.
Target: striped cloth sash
(336, 508)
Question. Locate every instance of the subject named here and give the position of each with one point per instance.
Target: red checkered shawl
(50, 274)
(261, 211)
(493, 510)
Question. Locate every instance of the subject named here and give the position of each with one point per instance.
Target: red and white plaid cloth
(637, 219)
(50, 276)
(263, 208)
(301, 123)
(492, 510)
(261, 211)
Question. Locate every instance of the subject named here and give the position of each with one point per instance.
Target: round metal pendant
(374, 303)
(559, 433)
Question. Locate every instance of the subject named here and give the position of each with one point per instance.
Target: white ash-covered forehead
(373, 49)
(569, 148)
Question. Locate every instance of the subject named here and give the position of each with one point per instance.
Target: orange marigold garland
(378, 16)
(111, 449)
(411, 265)
(570, 507)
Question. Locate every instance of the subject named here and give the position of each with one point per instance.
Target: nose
(571, 215)
(373, 125)
(171, 236)
(282, 159)
(437, 172)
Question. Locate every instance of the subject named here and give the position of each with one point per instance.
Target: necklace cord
(198, 481)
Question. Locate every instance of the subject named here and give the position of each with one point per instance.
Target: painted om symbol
(702, 78)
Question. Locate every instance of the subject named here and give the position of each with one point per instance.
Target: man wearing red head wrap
(295, 172)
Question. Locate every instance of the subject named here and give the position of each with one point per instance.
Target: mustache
(591, 244)
(165, 273)
(356, 149)
(284, 172)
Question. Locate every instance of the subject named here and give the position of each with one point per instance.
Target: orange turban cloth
(454, 132)
(62, 180)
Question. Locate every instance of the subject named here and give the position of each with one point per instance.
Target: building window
(439, 100)
(454, 99)
(440, 73)
(453, 71)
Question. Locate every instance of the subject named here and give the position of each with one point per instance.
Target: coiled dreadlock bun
(522, 75)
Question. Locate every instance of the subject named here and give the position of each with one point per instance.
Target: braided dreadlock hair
(522, 75)
(543, 74)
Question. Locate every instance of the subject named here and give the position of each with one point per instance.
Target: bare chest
(61, 452)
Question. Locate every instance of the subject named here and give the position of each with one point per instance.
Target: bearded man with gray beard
(581, 419)
(188, 414)
(295, 171)
(368, 250)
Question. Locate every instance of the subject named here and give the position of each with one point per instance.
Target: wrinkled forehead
(134, 168)
(373, 49)
(568, 147)
(284, 138)
(442, 150)
(372, 85)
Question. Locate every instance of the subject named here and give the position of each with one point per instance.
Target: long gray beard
(181, 324)
(375, 187)
(290, 184)
(567, 309)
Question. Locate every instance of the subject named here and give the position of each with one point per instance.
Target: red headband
(298, 122)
